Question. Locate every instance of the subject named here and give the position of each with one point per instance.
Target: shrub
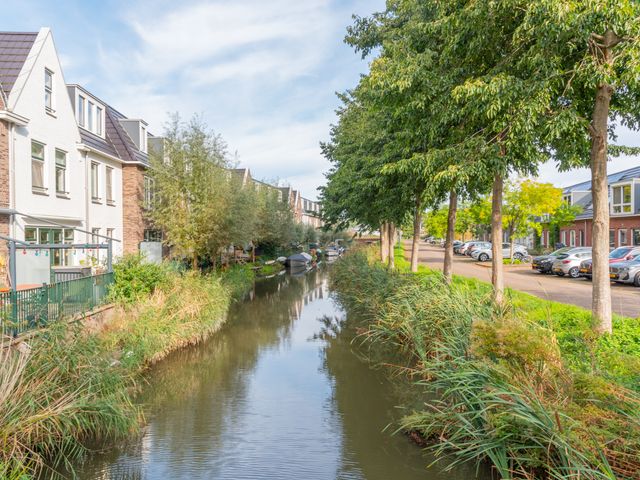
(134, 279)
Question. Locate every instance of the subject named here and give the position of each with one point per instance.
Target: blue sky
(263, 74)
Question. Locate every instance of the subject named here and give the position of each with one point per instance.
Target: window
(90, 107)
(95, 235)
(99, 114)
(612, 238)
(31, 235)
(110, 232)
(143, 139)
(563, 237)
(48, 90)
(148, 192)
(581, 238)
(109, 185)
(61, 171)
(152, 236)
(95, 182)
(636, 237)
(81, 106)
(572, 238)
(567, 198)
(622, 237)
(37, 167)
(621, 199)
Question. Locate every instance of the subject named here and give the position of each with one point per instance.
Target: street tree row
(462, 95)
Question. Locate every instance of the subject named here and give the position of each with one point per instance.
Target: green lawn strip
(72, 387)
(527, 386)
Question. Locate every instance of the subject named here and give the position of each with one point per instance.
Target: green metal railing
(29, 309)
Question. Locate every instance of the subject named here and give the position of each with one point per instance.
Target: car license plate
(613, 275)
(583, 270)
(557, 270)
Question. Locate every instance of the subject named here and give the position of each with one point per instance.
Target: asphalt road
(625, 298)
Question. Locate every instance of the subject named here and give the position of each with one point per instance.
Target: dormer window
(622, 199)
(99, 123)
(90, 108)
(48, 90)
(143, 139)
(81, 106)
(567, 199)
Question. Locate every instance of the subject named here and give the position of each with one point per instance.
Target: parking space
(625, 298)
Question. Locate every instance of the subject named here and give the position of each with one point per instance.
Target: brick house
(624, 212)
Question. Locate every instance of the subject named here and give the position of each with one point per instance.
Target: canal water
(282, 392)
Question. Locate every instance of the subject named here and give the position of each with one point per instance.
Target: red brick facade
(623, 231)
(134, 222)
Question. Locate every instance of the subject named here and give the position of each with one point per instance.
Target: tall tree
(587, 53)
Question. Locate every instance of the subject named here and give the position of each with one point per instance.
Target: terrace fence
(25, 310)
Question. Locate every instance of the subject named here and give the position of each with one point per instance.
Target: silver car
(569, 263)
(485, 254)
(626, 272)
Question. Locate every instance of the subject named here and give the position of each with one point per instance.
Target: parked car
(486, 254)
(544, 263)
(569, 263)
(476, 246)
(626, 272)
(455, 243)
(619, 255)
(463, 248)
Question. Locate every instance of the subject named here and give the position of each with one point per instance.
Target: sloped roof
(14, 50)
(612, 178)
(116, 134)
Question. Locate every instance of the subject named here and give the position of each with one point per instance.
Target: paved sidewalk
(625, 298)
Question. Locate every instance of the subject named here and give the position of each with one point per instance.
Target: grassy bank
(526, 386)
(72, 387)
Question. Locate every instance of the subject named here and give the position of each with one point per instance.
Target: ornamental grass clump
(53, 397)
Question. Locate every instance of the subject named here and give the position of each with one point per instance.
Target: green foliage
(525, 202)
(527, 387)
(134, 278)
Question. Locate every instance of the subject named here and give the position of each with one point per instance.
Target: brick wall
(133, 214)
(628, 224)
(4, 194)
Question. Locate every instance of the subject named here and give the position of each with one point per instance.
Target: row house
(70, 165)
(624, 211)
(311, 213)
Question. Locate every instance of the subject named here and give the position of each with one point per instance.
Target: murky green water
(280, 393)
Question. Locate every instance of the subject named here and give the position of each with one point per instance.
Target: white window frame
(95, 182)
(563, 237)
(108, 185)
(42, 163)
(90, 115)
(622, 207)
(81, 110)
(143, 139)
(99, 121)
(148, 191)
(572, 238)
(63, 167)
(48, 90)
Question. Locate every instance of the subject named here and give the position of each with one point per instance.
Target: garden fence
(25, 310)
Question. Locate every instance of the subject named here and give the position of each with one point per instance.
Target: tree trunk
(415, 244)
(601, 290)
(497, 268)
(384, 242)
(447, 268)
(392, 244)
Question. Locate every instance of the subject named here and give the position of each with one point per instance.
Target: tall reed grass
(69, 387)
(505, 391)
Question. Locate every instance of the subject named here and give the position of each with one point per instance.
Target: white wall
(55, 130)
(102, 215)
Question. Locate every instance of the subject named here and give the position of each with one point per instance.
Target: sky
(263, 74)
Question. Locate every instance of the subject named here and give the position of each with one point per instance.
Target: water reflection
(280, 393)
